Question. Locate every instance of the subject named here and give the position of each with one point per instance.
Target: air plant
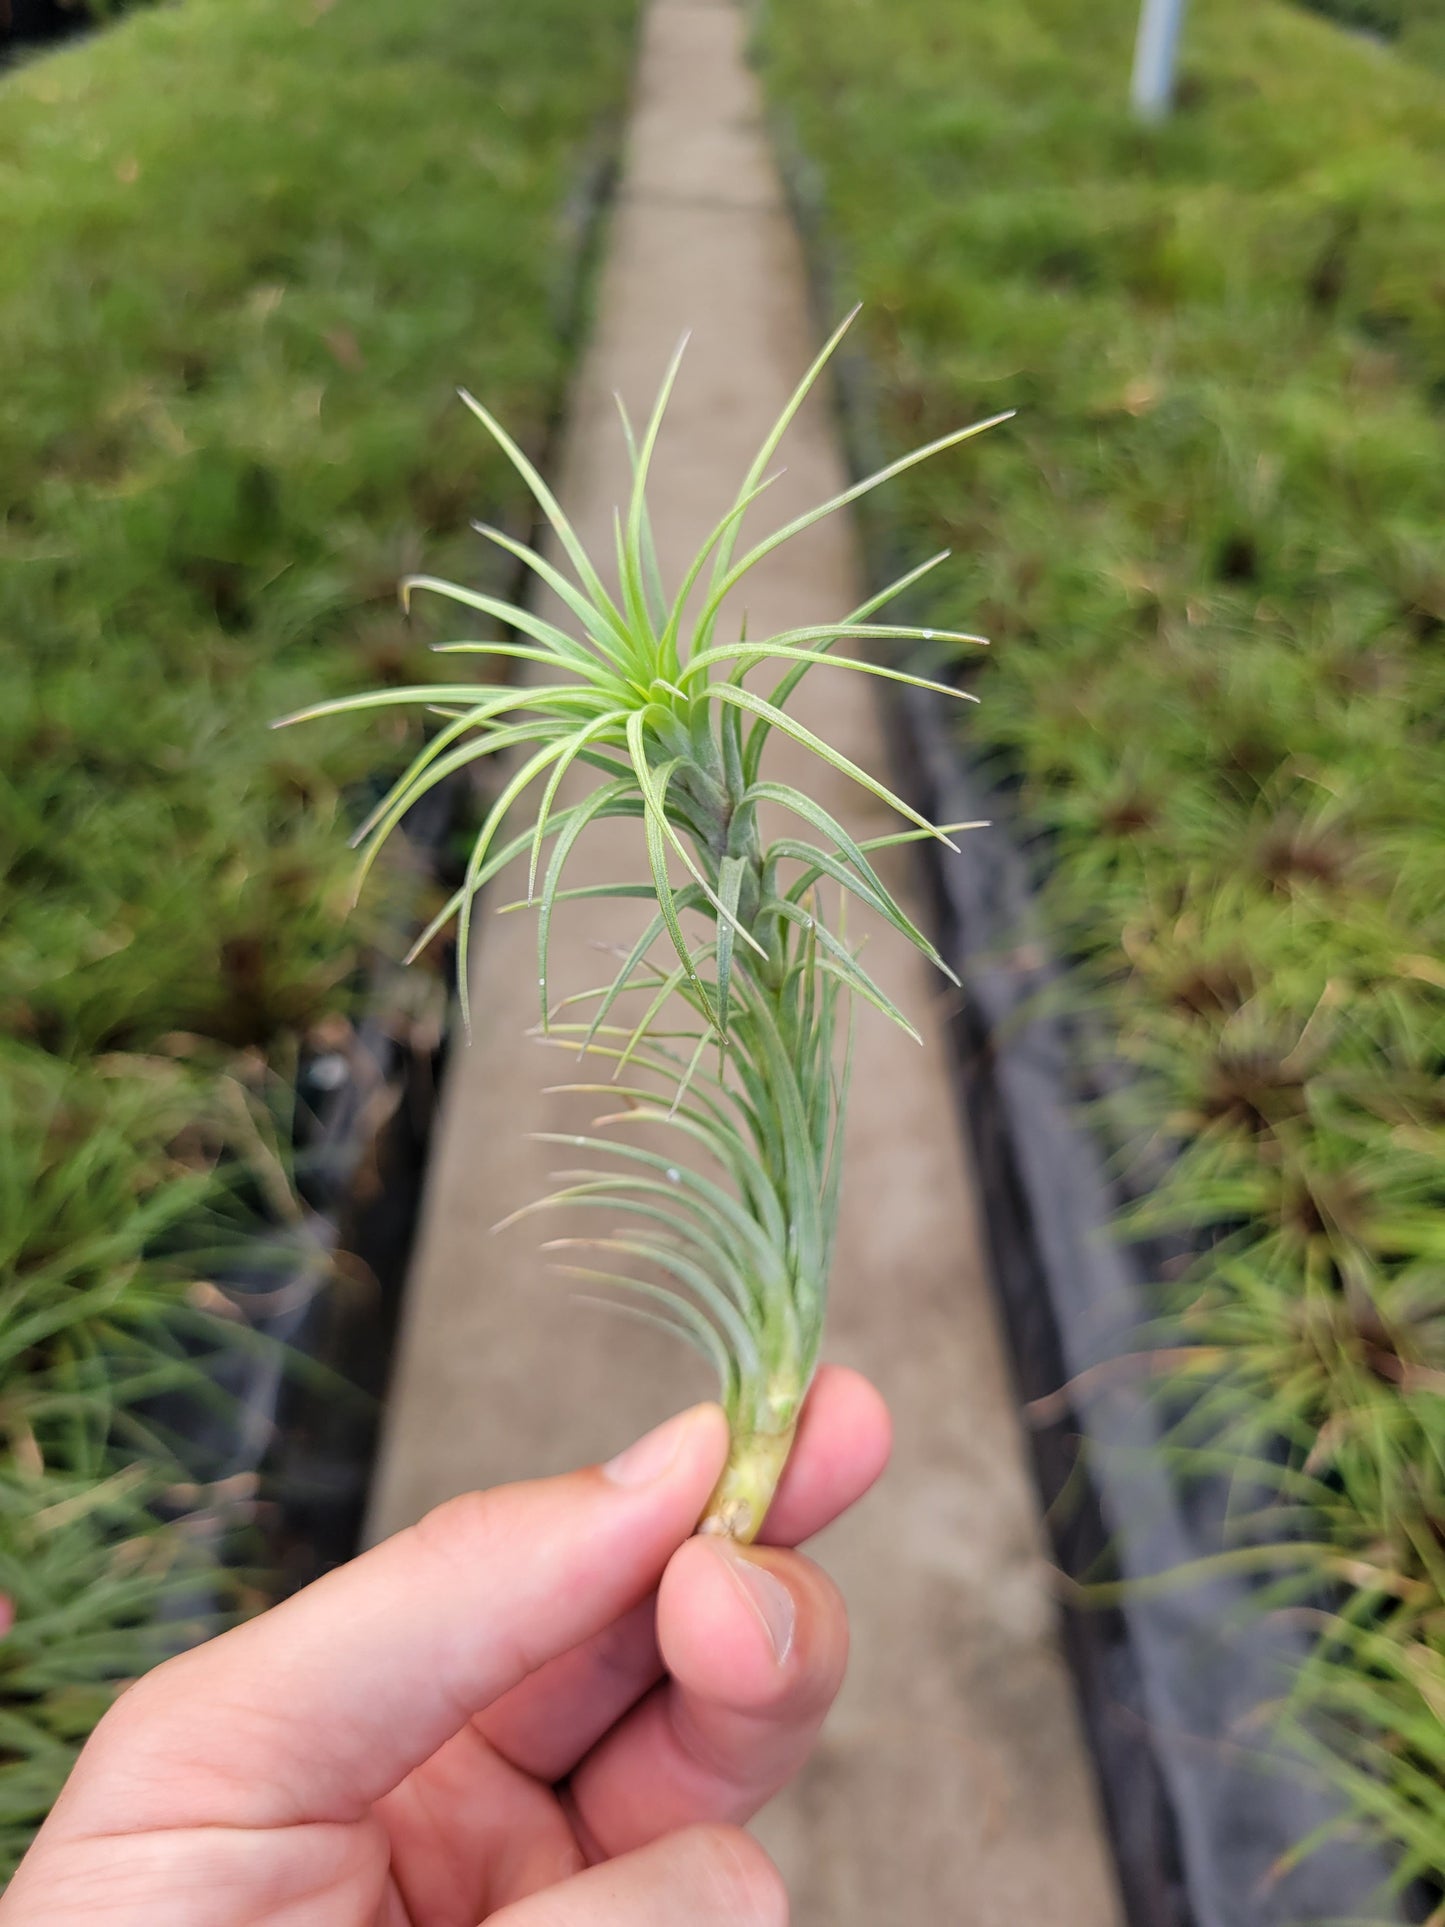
(741, 1049)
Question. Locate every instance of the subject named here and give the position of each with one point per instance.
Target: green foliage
(1384, 18)
(246, 247)
(107, 1548)
(1415, 28)
(214, 471)
(640, 690)
(1209, 557)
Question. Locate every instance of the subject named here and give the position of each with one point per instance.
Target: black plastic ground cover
(29, 26)
(301, 1409)
(323, 1295)
(1203, 1813)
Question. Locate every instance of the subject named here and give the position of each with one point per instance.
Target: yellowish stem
(742, 1495)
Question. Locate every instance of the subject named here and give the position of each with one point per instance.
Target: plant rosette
(741, 1050)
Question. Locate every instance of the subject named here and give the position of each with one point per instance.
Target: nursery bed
(234, 315)
(1413, 29)
(1203, 1811)
(1208, 556)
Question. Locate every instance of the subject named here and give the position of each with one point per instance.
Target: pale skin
(547, 1705)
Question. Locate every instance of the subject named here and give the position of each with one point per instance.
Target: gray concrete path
(951, 1786)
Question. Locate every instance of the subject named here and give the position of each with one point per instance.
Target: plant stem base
(742, 1495)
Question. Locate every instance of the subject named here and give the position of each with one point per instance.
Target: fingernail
(654, 1452)
(765, 1593)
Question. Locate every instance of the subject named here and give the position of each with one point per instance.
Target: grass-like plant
(742, 966)
(1213, 555)
(108, 1348)
(222, 427)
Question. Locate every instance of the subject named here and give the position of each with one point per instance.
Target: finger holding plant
(741, 1051)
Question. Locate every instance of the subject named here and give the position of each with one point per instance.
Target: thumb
(315, 1709)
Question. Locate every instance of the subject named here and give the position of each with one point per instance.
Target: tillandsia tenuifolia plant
(741, 1048)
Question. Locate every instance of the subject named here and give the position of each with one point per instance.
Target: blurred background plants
(1209, 555)
(108, 1542)
(1414, 28)
(246, 250)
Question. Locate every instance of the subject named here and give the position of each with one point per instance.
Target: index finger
(317, 1708)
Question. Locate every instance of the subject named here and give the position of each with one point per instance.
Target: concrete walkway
(951, 1786)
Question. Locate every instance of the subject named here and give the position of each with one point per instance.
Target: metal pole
(1152, 88)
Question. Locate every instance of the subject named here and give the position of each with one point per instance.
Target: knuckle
(143, 1700)
(466, 1534)
(457, 1526)
(620, 1651)
(745, 1886)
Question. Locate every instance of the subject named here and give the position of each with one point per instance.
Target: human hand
(547, 1705)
